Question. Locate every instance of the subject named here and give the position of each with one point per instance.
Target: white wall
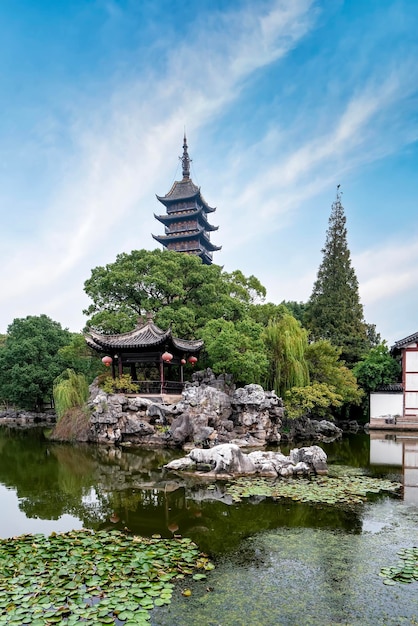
(386, 404)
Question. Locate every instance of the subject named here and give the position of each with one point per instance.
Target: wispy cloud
(121, 146)
(118, 149)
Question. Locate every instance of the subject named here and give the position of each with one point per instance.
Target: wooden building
(186, 219)
(153, 357)
(395, 407)
(407, 348)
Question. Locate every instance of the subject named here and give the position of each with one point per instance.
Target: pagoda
(186, 223)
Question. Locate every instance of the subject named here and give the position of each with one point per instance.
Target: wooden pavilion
(186, 223)
(154, 357)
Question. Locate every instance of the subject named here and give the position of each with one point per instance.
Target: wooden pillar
(162, 375)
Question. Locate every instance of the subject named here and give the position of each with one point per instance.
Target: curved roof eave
(148, 335)
(176, 195)
(404, 342)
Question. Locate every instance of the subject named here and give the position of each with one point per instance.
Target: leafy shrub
(122, 384)
(316, 400)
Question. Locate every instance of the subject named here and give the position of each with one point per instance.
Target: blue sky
(281, 99)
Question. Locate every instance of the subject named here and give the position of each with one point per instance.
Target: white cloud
(124, 149)
(387, 271)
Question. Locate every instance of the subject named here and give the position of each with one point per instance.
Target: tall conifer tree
(334, 310)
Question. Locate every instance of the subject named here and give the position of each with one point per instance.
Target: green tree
(326, 367)
(30, 361)
(377, 368)
(236, 348)
(286, 342)
(263, 313)
(70, 390)
(334, 310)
(79, 357)
(178, 288)
(297, 309)
(317, 401)
(333, 387)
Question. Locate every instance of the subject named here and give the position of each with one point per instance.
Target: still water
(277, 562)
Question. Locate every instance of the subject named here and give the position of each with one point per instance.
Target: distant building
(395, 406)
(408, 349)
(186, 219)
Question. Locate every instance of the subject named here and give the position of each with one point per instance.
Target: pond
(277, 562)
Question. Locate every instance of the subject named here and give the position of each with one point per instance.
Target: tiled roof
(184, 190)
(391, 387)
(143, 336)
(188, 214)
(404, 342)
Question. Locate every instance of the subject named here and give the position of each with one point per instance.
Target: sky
(282, 100)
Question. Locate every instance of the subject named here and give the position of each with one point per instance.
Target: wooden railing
(150, 387)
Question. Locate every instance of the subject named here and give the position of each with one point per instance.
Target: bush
(316, 400)
(122, 384)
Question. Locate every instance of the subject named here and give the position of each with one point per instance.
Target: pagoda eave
(198, 235)
(169, 201)
(179, 217)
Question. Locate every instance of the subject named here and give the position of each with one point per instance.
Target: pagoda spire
(186, 220)
(185, 159)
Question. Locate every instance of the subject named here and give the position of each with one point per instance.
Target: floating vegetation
(88, 578)
(406, 571)
(352, 489)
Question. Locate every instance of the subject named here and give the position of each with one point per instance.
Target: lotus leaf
(406, 570)
(326, 490)
(89, 578)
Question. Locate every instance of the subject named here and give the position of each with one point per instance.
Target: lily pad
(406, 570)
(83, 577)
(328, 490)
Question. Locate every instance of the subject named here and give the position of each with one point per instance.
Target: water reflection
(101, 487)
(398, 450)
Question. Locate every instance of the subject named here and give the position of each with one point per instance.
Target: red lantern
(192, 360)
(107, 360)
(183, 361)
(166, 357)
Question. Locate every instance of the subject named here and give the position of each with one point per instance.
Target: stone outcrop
(211, 411)
(307, 429)
(229, 460)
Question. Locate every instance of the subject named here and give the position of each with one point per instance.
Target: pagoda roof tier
(183, 190)
(180, 216)
(144, 336)
(185, 236)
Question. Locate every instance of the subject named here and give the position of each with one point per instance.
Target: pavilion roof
(144, 336)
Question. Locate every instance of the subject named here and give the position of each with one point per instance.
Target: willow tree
(334, 310)
(70, 391)
(286, 343)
